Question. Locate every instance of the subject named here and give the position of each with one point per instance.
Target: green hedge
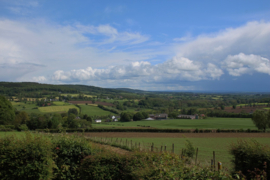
(152, 130)
(34, 157)
(28, 158)
(140, 165)
(248, 155)
(69, 151)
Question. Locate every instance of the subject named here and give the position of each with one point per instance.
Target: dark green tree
(261, 119)
(73, 111)
(7, 114)
(126, 116)
(138, 116)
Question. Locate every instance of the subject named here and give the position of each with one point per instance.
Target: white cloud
(252, 38)
(113, 34)
(39, 79)
(172, 71)
(55, 46)
(241, 63)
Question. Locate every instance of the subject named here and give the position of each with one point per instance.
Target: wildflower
(57, 148)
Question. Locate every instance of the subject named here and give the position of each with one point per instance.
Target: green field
(77, 95)
(252, 104)
(206, 146)
(94, 111)
(53, 109)
(27, 107)
(15, 133)
(60, 103)
(209, 123)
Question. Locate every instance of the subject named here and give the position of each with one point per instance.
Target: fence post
(161, 148)
(152, 147)
(196, 156)
(214, 159)
(165, 148)
(219, 166)
(139, 146)
(212, 164)
(173, 148)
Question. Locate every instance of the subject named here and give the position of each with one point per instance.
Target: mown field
(53, 109)
(209, 123)
(29, 107)
(94, 111)
(206, 142)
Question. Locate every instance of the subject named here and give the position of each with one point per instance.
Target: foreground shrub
(142, 165)
(69, 150)
(28, 158)
(250, 155)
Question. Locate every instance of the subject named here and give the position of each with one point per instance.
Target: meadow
(53, 109)
(94, 111)
(205, 144)
(209, 123)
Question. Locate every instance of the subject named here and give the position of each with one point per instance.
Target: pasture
(60, 103)
(53, 109)
(28, 107)
(209, 123)
(205, 142)
(94, 111)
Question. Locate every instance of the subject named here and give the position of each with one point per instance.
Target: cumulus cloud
(241, 63)
(39, 79)
(251, 38)
(175, 70)
(53, 46)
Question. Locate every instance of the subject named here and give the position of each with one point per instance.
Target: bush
(189, 151)
(248, 155)
(28, 158)
(141, 165)
(70, 150)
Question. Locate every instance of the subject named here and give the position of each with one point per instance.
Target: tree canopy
(261, 119)
(7, 114)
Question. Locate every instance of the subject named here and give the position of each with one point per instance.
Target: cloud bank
(102, 55)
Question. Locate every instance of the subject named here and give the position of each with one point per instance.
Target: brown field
(177, 135)
(244, 109)
(90, 102)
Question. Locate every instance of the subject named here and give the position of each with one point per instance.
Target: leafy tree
(73, 111)
(138, 116)
(7, 114)
(125, 116)
(173, 115)
(222, 107)
(21, 118)
(261, 119)
(145, 115)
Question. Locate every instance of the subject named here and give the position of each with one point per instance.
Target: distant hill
(131, 90)
(15, 88)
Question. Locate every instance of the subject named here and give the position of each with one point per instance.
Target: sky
(155, 45)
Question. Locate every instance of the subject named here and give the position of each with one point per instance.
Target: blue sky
(148, 45)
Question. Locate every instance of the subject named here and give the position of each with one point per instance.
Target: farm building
(98, 121)
(158, 116)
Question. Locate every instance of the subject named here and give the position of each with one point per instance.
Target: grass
(252, 104)
(77, 95)
(52, 109)
(15, 133)
(60, 103)
(209, 123)
(27, 107)
(205, 146)
(94, 111)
